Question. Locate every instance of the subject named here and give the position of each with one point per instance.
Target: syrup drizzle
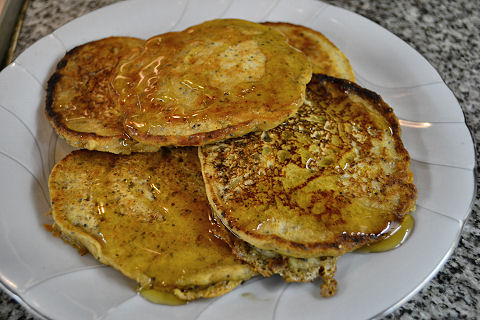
(394, 240)
(161, 297)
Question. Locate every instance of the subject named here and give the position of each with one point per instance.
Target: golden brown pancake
(334, 177)
(147, 215)
(80, 103)
(216, 80)
(267, 262)
(325, 57)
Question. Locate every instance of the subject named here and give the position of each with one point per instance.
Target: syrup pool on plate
(395, 239)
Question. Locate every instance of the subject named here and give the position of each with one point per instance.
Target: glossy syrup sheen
(144, 214)
(161, 297)
(325, 57)
(331, 179)
(81, 104)
(213, 76)
(396, 238)
(82, 100)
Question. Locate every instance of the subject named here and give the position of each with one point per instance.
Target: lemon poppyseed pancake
(334, 177)
(80, 103)
(325, 57)
(216, 80)
(147, 215)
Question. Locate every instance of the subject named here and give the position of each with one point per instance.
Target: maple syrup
(394, 240)
(161, 297)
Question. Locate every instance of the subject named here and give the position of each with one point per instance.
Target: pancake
(80, 103)
(325, 57)
(216, 80)
(331, 179)
(147, 215)
(267, 262)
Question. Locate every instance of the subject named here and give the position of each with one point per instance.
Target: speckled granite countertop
(447, 34)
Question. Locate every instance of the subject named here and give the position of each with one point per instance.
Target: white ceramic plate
(52, 279)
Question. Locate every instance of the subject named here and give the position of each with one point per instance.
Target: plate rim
(17, 297)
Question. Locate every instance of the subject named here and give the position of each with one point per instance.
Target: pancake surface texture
(213, 81)
(80, 102)
(325, 57)
(332, 178)
(291, 269)
(147, 215)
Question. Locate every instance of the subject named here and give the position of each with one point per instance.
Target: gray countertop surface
(447, 34)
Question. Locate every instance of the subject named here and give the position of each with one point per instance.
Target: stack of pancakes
(215, 154)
